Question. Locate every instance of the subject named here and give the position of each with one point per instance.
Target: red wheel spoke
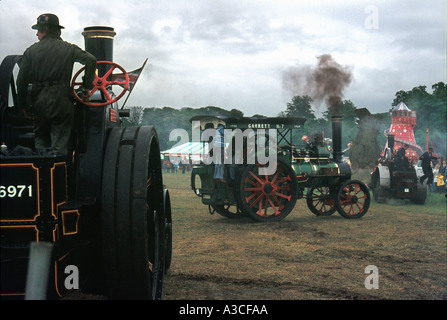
(287, 178)
(108, 73)
(287, 188)
(252, 182)
(256, 177)
(253, 189)
(278, 203)
(360, 208)
(256, 200)
(104, 91)
(247, 199)
(274, 207)
(266, 207)
(93, 90)
(275, 176)
(117, 82)
(260, 208)
(283, 196)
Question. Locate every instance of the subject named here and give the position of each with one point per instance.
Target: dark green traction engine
(105, 210)
(311, 172)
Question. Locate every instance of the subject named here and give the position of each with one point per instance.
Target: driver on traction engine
(47, 65)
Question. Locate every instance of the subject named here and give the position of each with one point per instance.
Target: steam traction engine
(248, 190)
(105, 211)
(387, 179)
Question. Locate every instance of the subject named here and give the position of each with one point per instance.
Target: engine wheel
(228, 211)
(267, 197)
(380, 194)
(353, 199)
(321, 201)
(167, 236)
(421, 193)
(131, 215)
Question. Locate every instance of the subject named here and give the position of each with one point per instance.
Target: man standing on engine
(48, 65)
(401, 159)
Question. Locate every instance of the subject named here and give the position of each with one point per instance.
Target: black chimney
(337, 153)
(391, 142)
(99, 42)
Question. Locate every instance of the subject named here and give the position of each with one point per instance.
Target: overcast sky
(233, 53)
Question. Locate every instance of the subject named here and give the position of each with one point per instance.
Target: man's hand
(84, 94)
(28, 114)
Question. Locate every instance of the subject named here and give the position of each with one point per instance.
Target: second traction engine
(247, 190)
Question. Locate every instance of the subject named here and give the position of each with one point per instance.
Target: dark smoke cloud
(325, 82)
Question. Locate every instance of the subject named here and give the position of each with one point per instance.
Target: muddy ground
(305, 256)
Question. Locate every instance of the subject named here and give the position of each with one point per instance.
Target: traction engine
(389, 181)
(105, 210)
(247, 190)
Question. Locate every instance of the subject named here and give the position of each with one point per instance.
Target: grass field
(305, 256)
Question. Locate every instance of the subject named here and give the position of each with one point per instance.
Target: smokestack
(391, 142)
(99, 42)
(337, 153)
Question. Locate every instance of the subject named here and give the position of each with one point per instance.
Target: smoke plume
(325, 82)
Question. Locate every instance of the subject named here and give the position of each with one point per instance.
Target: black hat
(48, 19)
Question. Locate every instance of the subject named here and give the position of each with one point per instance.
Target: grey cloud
(246, 44)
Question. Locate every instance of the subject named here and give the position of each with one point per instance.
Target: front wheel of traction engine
(353, 199)
(132, 214)
(321, 201)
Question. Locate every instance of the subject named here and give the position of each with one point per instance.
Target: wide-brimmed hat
(47, 19)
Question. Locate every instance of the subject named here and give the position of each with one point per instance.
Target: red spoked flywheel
(101, 84)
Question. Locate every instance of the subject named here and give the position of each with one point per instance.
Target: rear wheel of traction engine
(321, 201)
(228, 210)
(267, 197)
(353, 199)
(421, 193)
(132, 212)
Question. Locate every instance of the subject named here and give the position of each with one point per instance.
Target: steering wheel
(101, 83)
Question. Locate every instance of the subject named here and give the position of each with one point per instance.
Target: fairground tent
(193, 150)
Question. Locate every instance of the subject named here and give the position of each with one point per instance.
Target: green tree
(300, 106)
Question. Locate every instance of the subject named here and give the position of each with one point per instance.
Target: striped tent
(193, 149)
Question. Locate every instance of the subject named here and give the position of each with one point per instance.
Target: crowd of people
(439, 178)
(174, 166)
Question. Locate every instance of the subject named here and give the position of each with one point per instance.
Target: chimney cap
(99, 32)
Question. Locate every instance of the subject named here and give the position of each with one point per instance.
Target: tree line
(364, 133)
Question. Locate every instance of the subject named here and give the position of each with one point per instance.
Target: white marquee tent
(194, 150)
